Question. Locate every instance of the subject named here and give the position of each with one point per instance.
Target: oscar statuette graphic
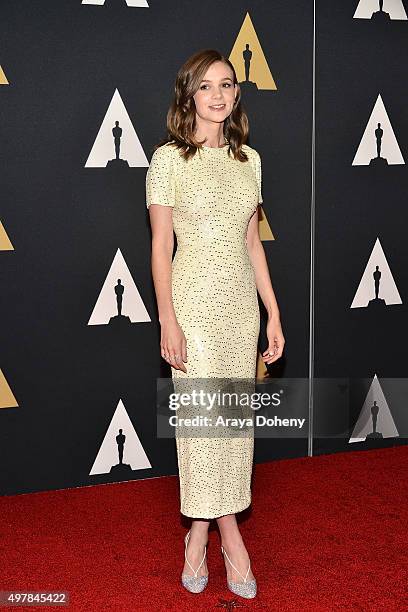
(374, 413)
(117, 135)
(120, 469)
(379, 133)
(119, 318)
(380, 15)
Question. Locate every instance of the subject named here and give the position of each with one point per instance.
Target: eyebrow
(209, 81)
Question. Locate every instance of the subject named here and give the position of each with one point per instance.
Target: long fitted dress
(215, 300)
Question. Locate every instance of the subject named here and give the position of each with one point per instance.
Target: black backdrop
(64, 61)
(356, 61)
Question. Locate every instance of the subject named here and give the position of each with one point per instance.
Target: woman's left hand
(275, 339)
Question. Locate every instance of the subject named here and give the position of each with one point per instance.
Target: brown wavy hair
(181, 116)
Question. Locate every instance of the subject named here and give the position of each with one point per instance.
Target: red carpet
(325, 533)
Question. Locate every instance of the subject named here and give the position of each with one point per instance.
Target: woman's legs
(196, 546)
(232, 541)
(234, 546)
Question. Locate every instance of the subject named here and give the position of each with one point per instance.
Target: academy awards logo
(121, 451)
(377, 287)
(375, 420)
(378, 146)
(253, 74)
(117, 146)
(249, 61)
(380, 11)
(119, 302)
(131, 3)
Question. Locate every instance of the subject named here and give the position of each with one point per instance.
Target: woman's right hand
(173, 345)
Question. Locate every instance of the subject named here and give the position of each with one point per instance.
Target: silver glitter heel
(194, 584)
(245, 589)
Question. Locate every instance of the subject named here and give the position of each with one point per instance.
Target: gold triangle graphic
(261, 369)
(3, 78)
(249, 60)
(7, 399)
(265, 232)
(5, 244)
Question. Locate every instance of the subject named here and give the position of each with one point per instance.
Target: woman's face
(216, 93)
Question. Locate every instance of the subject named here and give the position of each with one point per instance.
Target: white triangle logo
(116, 144)
(375, 420)
(378, 146)
(121, 451)
(133, 3)
(370, 9)
(119, 301)
(377, 287)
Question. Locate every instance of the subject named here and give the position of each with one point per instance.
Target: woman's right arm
(173, 341)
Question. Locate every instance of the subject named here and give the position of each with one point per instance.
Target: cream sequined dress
(215, 299)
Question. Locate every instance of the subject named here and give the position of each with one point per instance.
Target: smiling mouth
(218, 106)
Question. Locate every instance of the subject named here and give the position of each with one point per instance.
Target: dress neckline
(225, 146)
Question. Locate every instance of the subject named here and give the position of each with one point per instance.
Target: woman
(204, 183)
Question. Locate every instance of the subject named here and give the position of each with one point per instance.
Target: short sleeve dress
(214, 294)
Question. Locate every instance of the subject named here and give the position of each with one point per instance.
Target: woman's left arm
(264, 286)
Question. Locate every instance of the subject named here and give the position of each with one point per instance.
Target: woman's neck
(216, 140)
